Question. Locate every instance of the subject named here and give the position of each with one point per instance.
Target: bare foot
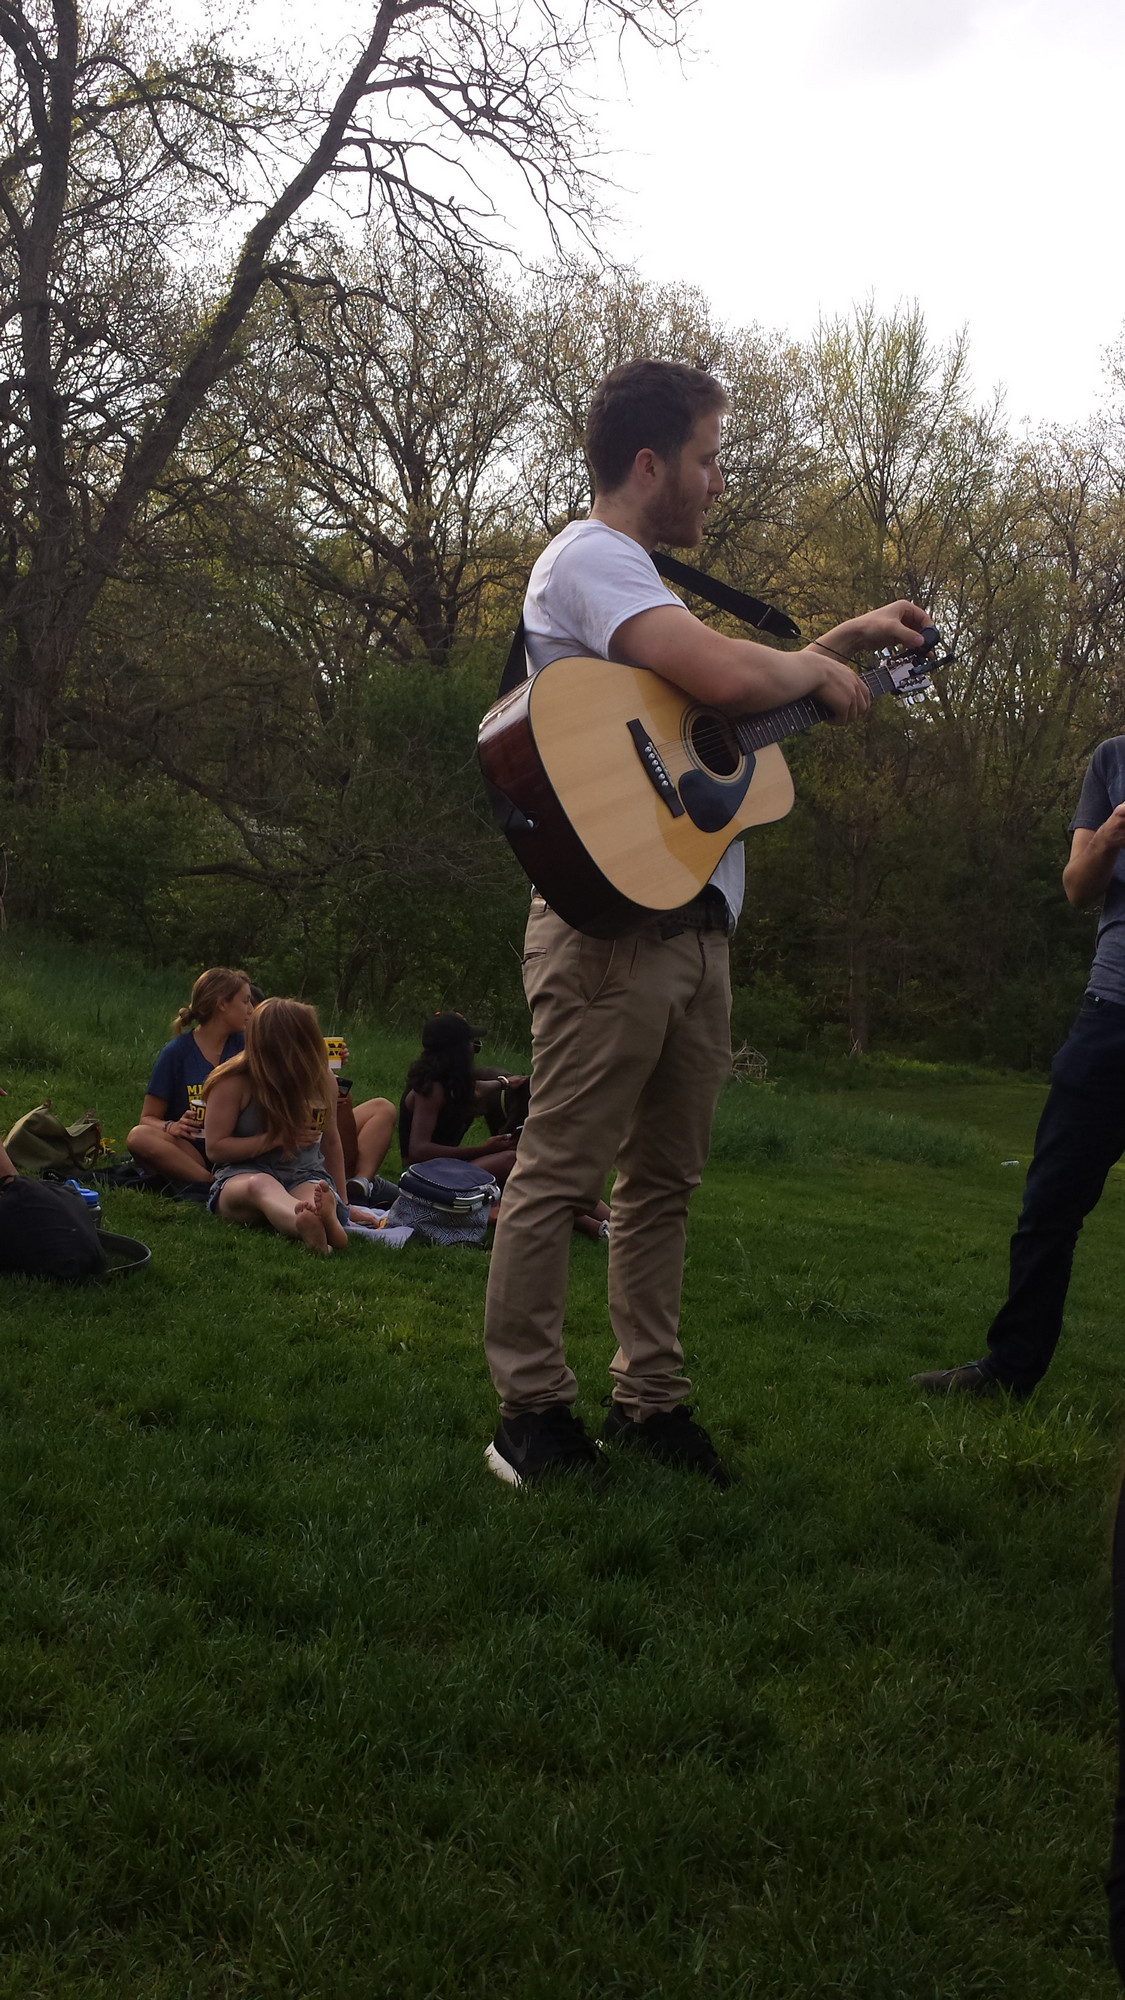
(310, 1228)
(324, 1196)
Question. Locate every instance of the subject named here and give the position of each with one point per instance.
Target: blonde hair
(285, 1063)
(211, 990)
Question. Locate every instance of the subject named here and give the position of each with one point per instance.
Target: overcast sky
(966, 153)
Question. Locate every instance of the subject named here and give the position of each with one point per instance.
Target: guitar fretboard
(774, 724)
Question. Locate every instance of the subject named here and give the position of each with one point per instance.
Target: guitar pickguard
(710, 802)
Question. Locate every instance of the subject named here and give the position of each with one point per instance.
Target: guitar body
(618, 793)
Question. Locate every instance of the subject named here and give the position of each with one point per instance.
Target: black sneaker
(673, 1436)
(374, 1193)
(526, 1449)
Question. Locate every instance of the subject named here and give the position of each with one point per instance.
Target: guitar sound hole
(714, 744)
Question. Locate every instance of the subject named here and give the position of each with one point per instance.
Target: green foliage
(265, 748)
(385, 889)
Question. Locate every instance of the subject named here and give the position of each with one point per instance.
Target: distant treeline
(262, 749)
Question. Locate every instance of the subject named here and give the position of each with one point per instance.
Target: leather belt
(709, 911)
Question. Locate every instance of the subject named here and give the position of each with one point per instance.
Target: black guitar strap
(515, 666)
(752, 610)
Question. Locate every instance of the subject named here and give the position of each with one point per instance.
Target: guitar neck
(774, 724)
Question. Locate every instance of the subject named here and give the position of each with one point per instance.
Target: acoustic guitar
(619, 794)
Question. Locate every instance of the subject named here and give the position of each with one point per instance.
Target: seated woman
(270, 1128)
(169, 1138)
(441, 1100)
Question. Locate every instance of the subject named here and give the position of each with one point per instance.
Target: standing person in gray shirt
(1082, 1130)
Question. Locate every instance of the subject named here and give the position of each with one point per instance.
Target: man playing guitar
(631, 1036)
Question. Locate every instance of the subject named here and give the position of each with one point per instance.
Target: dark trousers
(1115, 1885)
(1081, 1134)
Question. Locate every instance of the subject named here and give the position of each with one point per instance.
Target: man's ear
(648, 466)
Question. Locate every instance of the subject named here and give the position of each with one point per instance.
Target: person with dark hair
(439, 1102)
(443, 1095)
(209, 1030)
(631, 1038)
(270, 1127)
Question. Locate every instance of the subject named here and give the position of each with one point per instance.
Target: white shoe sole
(498, 1464)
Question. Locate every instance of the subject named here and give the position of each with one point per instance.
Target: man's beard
(675, 519)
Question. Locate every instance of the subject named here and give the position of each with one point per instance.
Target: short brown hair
(645, 405)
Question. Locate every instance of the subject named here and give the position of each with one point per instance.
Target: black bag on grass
(46, 1231)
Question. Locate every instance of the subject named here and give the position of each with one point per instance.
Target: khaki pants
(631, 1044)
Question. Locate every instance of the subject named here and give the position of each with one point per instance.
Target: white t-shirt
(585, 585)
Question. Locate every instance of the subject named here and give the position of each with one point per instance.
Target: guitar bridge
(654, 767)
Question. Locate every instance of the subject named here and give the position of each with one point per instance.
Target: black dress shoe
(971, 1379)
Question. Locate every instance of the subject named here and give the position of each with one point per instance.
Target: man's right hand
(183, 1128)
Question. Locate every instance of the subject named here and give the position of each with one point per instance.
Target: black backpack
(46, 1231)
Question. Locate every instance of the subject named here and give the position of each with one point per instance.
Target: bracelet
(844, 658)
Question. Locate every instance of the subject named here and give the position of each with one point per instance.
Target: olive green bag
(39, 1140)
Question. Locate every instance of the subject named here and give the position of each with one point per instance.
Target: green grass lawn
(296, 1700)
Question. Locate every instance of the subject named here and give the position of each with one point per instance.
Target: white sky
(967, 153)
(964, 153)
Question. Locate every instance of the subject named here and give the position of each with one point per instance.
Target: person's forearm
(333, 1152)
(1087, 876)
(224, 1152)
(769, 679)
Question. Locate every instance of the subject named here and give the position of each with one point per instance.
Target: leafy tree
(383, 404)
(121, 152)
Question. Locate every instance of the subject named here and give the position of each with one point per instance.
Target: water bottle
(91, 1199)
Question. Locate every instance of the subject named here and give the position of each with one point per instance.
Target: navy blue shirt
(181, 1068)
(1103, 788)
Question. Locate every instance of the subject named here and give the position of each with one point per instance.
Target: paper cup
(335, 1045)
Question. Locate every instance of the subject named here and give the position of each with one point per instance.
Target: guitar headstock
(910, 669)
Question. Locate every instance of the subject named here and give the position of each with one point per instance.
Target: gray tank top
(308, 1161)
